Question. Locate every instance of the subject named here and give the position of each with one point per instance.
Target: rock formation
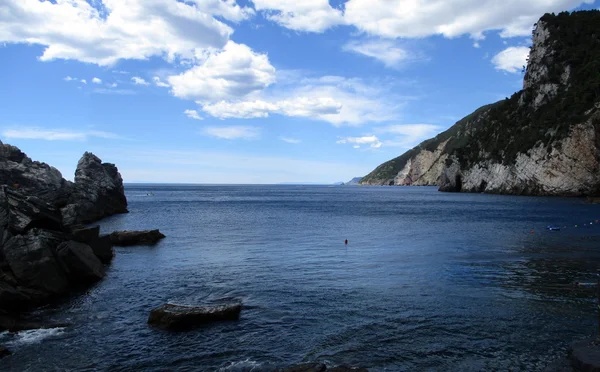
(183, 318)
(544, 140)
(44, 252)
(127, 238)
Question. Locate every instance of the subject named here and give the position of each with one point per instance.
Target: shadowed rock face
(43, 252)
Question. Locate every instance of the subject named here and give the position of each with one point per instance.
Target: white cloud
(113, 85)
(160, 83)
(232, 132)
(139, 81)
(372, 141)
(68, 78)
(83, 81)
(55, 134)
(416, 18)
(192, 114)
(334, 99)
(293, 141)
(385, 51)
(119, 29)
(511, 59)
(304, 15)
(96, 81)
(234, 72)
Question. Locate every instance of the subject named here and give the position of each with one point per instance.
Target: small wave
(243, 366)
(35, 336)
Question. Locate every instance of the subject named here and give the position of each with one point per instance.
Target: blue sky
(262, 91)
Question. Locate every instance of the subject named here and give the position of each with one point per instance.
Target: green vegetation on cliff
(563, 86)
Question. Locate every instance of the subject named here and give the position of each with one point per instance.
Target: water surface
(428, 281)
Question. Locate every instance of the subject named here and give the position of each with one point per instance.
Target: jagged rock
(126, 238)
(26, 212)
(85, 234)
(81, 265)
(306, 367)
(4, 352)
(11, 298)
(32, 261)
(182, 318)
(98, 192)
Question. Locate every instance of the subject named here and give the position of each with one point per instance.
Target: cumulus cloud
(385, 51)
(304, 15)
(416, 18)
(232, 132)
(511, 59)
(160, 83)
(68, 78)
(234, 72)
(333, 99)
(192, 114)
(36, 133)
(119, 29)
(96, 80)
(139, 81)
(83, 81)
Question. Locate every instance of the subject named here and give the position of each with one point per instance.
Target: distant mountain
(353, 182)
(544, 140)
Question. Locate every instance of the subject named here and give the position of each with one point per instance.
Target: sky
(252, 91)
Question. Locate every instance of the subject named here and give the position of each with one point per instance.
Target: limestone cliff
(544, 140)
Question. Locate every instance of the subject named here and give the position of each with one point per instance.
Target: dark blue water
(428, 281)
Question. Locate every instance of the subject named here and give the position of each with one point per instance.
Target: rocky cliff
(44, 252)
(544, 140)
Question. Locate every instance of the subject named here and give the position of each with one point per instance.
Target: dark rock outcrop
(98, 192)
(182, 318)
(585, 355)
(44, 252)
(16, 324)
(128, 238)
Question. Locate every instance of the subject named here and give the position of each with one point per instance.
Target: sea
(428, 281)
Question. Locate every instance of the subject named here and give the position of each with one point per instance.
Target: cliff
(544, 140)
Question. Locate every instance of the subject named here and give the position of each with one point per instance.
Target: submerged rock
(182, 318)
(4, 352)
(307, 367)
(126, 238)
(585, 355)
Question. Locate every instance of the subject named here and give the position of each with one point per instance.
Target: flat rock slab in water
(128, 238)
(182, 318)
(585, 355)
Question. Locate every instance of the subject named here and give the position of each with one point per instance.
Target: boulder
(81, 264)
(585, 355)
(31, 260)
(182, 318)
(103, 249)
(11, 298)
(126, 238)
(4, 352)
(101, 245)
(307, 367)
(98, 192)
